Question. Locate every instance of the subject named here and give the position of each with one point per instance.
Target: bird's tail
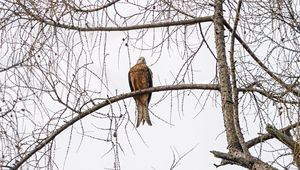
(143, 115)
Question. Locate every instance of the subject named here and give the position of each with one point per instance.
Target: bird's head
(141, 60)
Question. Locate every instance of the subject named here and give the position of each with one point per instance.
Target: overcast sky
(193, 129)
(187, 125)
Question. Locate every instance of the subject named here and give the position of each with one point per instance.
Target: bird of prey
(140, 77)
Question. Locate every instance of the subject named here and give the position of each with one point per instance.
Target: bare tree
(55, 61)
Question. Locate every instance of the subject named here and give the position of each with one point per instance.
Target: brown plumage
(140, 77)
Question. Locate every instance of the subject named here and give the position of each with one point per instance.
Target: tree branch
(234, 83)
(115, 99)
(268, 136)
(288, 87)
(109, 101)
(117, 28)
(239, 158)
(75, 8)
(131, 94)
(286, 140)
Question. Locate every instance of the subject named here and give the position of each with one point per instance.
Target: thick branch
(224, 80)
(230, 159)
(287, 140)
(117, 28)
(234, 83)
(105, 103)
(239, 158)
(268, 136)
(116, 99)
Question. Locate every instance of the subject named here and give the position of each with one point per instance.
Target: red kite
(140, 77)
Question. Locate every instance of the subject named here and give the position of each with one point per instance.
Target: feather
(143, 115)
(140, 77)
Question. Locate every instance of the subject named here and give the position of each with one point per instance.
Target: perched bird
(140, 77)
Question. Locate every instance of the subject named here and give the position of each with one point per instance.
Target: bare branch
(289, 88)
(240, 159)
(133, 27)
(287, 140)
(264, 137)
(108, 101)
(234, 83)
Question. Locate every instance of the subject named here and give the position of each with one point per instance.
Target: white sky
(205, 132)
(192, 127)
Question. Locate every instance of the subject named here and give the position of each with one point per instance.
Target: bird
(140, 77)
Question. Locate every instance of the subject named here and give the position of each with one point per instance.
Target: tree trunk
(224, 79)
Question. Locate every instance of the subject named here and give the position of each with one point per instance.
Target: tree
(56, 67)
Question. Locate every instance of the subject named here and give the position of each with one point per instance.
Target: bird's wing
(129, 80)
(150, 82)
(136, 82)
